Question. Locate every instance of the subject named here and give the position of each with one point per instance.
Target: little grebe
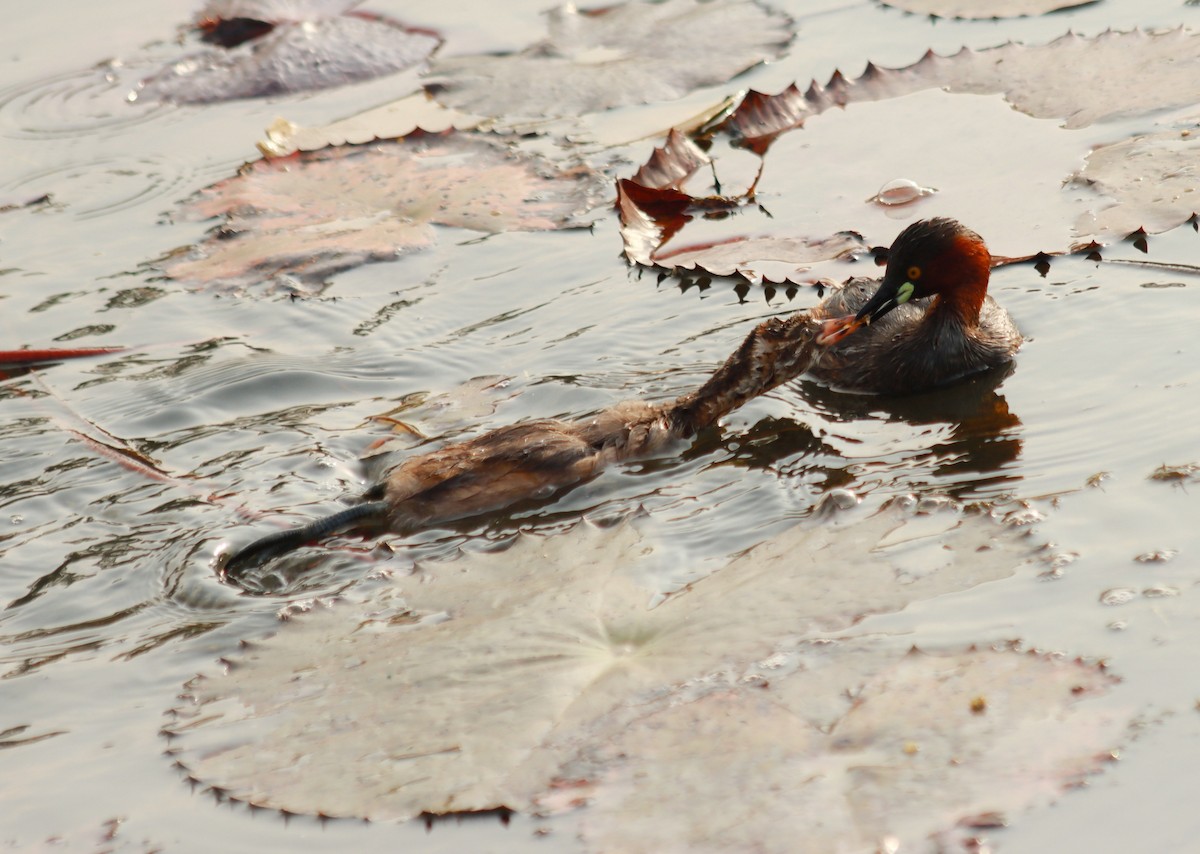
(535, 460)
(906, 345)
(904, 348)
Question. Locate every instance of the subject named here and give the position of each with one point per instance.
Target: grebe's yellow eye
(914, 273)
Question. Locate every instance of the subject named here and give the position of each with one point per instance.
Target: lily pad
(771, 229)
(631, 53)
(1077, 79)
(1151, 179)
(806, 149)
(311, 214)
(974, 10)
(291, 56)
(920, 749)
(469, 685)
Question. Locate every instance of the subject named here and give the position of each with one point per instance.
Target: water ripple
(108, 184)
(76, 103)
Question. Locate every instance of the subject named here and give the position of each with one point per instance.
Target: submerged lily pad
(309, 215)
(631, 53)
(471, 684)
(289, 52)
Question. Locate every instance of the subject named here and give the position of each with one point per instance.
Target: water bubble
(901, 191)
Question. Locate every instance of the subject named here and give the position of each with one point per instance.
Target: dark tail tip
(281, 542)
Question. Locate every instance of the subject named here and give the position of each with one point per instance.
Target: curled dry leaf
(289, 56)
(417, 112)
(312, 214)
(631, 53)
(673, 164)
(525, 660)
(973, 9)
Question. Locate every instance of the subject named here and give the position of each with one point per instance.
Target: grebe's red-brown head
(931, 257)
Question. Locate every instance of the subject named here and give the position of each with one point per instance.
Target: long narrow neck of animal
(776, 351)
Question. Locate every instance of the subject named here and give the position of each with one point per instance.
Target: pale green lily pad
(304, 217)
(469, 685)
(630, 53)
(921, 748)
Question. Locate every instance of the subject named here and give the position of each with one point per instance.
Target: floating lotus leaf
(1081, 80)
(470, 684)
(973, 9)
(291, 57)
(922, 749)
(311, 214)
(814, 195)
(842, 157)
(631, 53)
(1152, 180)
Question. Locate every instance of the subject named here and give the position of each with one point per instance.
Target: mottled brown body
(535, 460)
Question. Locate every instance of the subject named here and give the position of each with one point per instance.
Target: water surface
(256, 410)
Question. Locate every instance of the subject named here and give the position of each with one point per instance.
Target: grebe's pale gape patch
(864, 336)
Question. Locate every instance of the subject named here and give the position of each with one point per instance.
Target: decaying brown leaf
(630, 53)
(673, 164)
(312, 214)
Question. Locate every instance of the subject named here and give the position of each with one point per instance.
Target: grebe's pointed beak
(837, 329)
(891, 294)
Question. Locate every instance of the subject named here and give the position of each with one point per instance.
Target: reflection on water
(973, 438)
